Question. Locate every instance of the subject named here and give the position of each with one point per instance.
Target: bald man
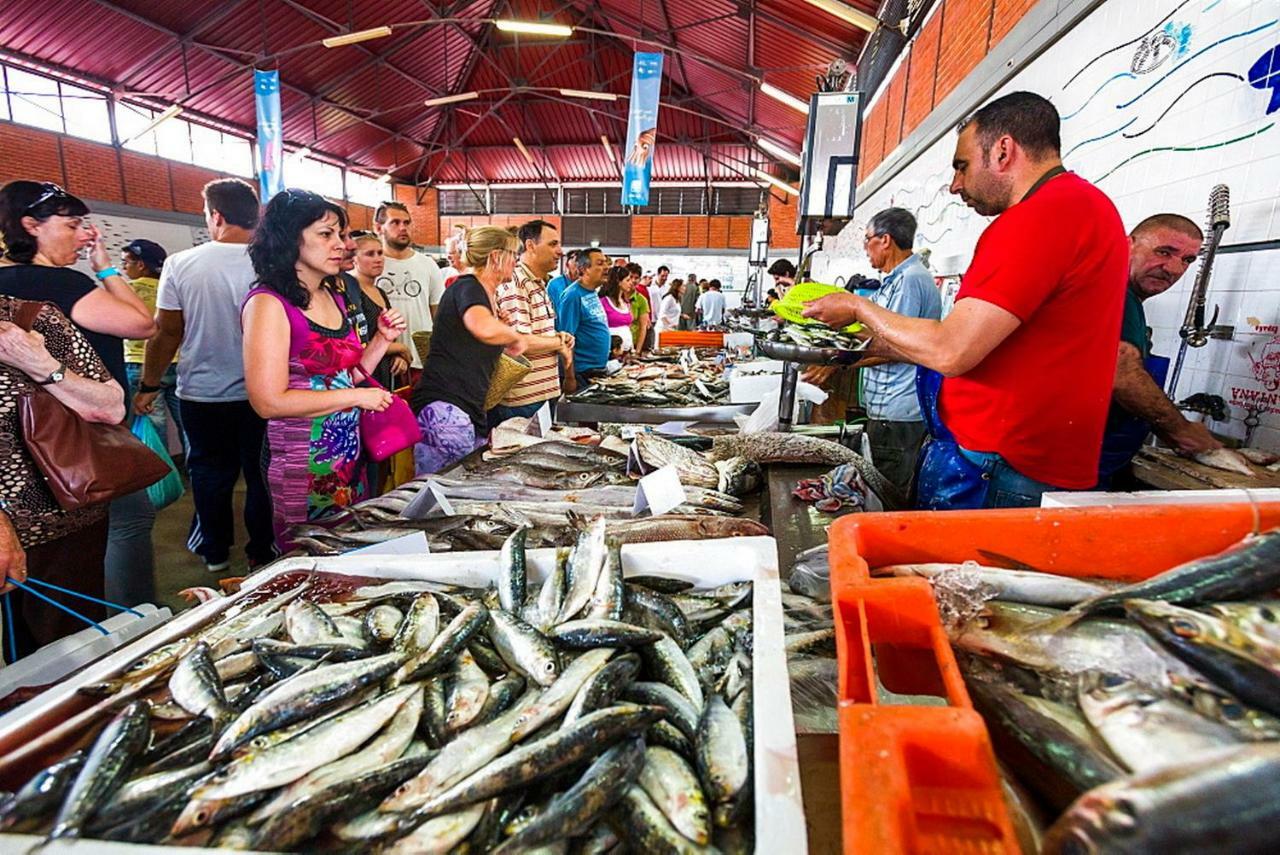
(1161, 248)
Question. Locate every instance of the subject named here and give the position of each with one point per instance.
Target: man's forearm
(159, 354)
(897, 338)
(1139, 395)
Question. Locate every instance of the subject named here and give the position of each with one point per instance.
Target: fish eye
(1267, 614)
(1184, 628)
(1111, 681)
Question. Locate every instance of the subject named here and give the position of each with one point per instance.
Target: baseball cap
(149, 252)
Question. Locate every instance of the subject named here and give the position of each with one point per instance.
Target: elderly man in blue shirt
(895, 425)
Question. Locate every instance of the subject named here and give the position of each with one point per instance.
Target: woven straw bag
(509, 371)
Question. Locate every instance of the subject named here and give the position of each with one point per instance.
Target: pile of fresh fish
(818, 335)
(333, 713)
(664, 392)
(1146, 714)
(772, 447)
(809, 625)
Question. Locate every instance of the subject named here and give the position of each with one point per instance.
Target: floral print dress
(313, 466)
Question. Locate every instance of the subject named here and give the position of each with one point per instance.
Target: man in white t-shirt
(198, 309)
(711, 305)
(413, 282)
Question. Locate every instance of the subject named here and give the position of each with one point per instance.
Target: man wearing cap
(142, 260)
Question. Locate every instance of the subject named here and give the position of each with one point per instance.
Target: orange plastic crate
(923, 778)
(689, 338)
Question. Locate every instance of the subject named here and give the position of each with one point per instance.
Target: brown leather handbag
(83, 463)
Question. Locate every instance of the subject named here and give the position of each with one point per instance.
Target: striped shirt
(523, 304)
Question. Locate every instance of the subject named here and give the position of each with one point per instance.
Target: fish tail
(1058, 623)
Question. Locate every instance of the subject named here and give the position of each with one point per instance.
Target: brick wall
(950, 45)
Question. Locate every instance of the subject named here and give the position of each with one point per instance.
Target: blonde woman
(465, 346)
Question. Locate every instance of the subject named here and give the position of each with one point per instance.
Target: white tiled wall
(1149, 173)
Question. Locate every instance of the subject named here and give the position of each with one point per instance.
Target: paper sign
(410, 544)
(630, 431)
(428, 504)
(675, 428)
(688, 358)
(635, 465)
(659, 492)
(540, 422)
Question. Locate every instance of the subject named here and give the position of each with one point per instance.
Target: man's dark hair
(898, 224)
(1030, 119)
(782, 267)
(38, 199)
(714, 283)
(532, 230)
(234, 199)
(662, 267)
(1177, 222)
(633, 268)
(380, 215)
(573, 256)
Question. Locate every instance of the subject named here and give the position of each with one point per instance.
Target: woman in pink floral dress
(301, 356)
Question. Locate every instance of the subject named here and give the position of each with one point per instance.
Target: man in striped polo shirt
(523, 304)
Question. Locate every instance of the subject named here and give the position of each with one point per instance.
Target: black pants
(895, 447)
(224, 441)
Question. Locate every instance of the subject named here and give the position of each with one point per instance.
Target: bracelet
(147, 388)
(107, 272)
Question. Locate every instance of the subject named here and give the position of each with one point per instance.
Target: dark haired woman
(44, 229)
(300, 350)
(617, 306)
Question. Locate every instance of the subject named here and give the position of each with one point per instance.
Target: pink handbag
(390, 431)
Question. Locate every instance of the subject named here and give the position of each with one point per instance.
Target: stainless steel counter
(568, 412)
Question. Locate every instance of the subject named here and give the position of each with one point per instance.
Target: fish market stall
(412, 711)
(1100, 679)
(1164, 470)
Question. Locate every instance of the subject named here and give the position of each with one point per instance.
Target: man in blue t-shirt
(557, 285)
(580, 313)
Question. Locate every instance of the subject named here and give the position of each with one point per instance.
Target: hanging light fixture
(356, 37)
(790, 100)
(778, 151)
(860, 19)
(585, 93)
(534, 28)
(523, 150)
(777, 182)
(450, 99)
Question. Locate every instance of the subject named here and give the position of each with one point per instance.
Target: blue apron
(946, 480)
(1126, 433)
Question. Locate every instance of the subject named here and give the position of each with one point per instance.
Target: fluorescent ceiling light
(168, 114)
(523, 150)
(384, 178)
(776, 182)
(584, 93)
(778, 151)
(790, 100)
(451, 99)
(848, 14)
(533, 28)
(353, 38)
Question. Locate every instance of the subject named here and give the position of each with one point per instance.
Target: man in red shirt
(1028, 353)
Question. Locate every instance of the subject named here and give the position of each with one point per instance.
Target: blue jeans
(130, 565)
(1007, 487)
(168, 404)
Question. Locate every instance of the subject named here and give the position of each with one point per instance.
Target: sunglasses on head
(51, 191)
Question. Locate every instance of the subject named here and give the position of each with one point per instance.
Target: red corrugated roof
(363, 103)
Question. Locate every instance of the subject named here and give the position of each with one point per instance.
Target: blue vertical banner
(266, 95)
(642, 127)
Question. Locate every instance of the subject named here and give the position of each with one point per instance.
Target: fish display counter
(1097, 679)
(510, 700)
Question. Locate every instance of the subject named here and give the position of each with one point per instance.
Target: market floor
(176, 566)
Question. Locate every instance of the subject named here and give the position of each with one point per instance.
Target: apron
(1124, 438)
(946, 479)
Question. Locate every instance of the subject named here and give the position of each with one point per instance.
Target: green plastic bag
(168, 489)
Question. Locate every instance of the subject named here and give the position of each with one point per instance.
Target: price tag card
(675, 428)
(410, 544)
(659, 492)
(428, 504)
(540, 422)
(635, 465)
(702, 387)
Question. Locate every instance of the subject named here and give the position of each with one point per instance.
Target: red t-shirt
(1059, 260)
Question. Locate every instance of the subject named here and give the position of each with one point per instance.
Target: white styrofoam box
(59, 658)
(752, 388)
(1158, 497)
(779, 812)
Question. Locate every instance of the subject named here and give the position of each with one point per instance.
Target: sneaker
(220, 567)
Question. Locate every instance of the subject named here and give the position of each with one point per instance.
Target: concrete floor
(178, 568)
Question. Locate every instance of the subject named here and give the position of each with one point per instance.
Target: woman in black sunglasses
(43, 229)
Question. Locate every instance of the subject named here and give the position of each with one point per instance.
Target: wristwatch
(147, 388)
(59, 374)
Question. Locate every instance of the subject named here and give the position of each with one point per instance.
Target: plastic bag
(811, 574)
(764, 419)
(168, 489)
